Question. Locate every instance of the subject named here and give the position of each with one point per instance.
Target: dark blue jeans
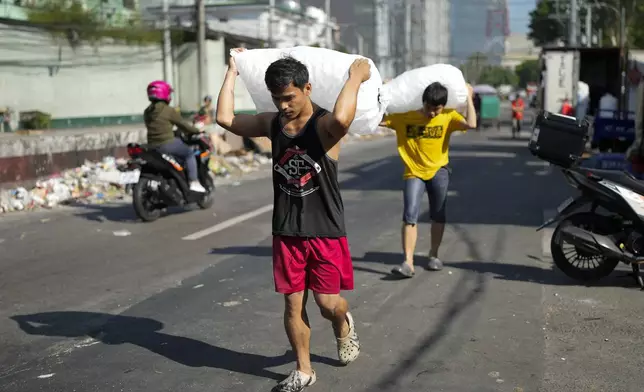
(436, 190)
(181, 150)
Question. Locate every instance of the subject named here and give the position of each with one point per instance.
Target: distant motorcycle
(160, 181)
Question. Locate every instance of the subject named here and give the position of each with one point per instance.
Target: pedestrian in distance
(310, 248)
(423, 145)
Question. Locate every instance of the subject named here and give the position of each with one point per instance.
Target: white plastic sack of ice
(328, 71)
(405, 92)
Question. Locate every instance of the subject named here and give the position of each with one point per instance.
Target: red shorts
(322, 265)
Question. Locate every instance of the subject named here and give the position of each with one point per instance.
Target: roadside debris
(92, 183)
(85, 185)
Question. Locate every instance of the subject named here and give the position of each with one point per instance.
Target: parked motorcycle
(160, 181)
(604, 224)
(588, 245)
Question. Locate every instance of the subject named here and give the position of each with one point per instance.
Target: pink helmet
(159, 91)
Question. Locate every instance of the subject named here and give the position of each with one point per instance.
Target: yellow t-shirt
(423, 144)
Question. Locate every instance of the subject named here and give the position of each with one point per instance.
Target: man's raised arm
(337, 124)
(245, 125)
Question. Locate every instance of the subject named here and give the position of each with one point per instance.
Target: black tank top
(307, 201)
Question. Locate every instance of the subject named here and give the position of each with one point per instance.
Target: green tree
(473, 67)
(635, 29)
(544, 28)
(528, 71)
(496, 76)
(69, 21)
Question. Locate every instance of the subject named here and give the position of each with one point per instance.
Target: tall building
(478, 27)
(431, 27)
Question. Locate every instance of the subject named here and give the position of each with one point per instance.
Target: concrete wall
(37, 73)
(99, 86)
(216, 66)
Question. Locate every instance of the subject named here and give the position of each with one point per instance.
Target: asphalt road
(187, 303)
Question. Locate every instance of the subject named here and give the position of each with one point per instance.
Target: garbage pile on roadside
(86, 184)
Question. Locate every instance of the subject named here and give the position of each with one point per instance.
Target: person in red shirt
(567, 109)
(518, 106)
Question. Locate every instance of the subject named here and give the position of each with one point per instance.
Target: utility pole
(589, 22)
(271, 18)
(408, 49)
(167, 43)
(622, 46)
(573, 27)
(202, 77)
(329, 32)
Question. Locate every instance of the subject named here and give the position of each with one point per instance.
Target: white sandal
(349, 346)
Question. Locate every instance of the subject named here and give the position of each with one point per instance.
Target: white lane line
(373, 166)
(547, 233)
(228, 223)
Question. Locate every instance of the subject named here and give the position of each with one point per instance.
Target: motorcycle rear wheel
(589, 221)
(141, 204)
(209, 198)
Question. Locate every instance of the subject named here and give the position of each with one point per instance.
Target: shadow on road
(145, 333)
(490, 184)
(123, 213)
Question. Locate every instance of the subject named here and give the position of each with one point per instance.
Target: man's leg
(298, 329)
(331, 270)
(289, 274)
(412, 196)
(437, 191)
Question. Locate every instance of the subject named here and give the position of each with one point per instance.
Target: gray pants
(436, 190)
(182, 151)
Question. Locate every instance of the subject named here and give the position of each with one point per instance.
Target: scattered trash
(45, 220)
(500, 381)
(122, 233)
(231, 303)
(563, 359)
(494, 374)
(449, 272)
(198, 286)
(46, 375)
(91, 182)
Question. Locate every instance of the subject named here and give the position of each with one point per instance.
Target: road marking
(547, 233)
(228, 223)
(374, 165)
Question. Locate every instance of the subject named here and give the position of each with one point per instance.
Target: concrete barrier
(24, 159)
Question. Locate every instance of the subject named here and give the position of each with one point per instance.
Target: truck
(602, 70)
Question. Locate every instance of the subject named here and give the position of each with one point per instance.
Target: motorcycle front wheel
(579, 264)
(143, 206)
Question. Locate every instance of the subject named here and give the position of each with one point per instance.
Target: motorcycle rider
(159, 120)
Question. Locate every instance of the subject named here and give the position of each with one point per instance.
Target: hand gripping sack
(328, 71)
(405, 92)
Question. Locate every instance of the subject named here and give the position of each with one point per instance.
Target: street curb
(547, 233)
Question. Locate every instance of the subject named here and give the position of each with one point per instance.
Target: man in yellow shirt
(423, 144)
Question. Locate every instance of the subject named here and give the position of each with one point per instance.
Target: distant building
(478, 27)
(518, 48)
(112, 12)
(292, 24)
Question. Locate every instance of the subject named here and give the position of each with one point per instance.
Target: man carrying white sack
(310, 249)
(423, 144)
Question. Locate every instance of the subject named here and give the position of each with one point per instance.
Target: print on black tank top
(307, 201)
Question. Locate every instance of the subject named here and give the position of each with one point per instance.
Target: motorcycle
(160, 181)
(600, 237)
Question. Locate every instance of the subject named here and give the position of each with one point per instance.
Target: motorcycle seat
(620, 178)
